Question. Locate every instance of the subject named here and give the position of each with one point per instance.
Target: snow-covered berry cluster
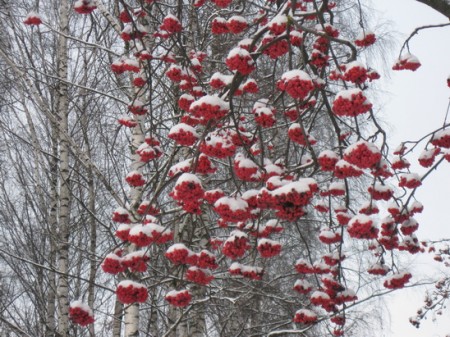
(80, 313)
(180, 298)
(131, 292)
(351, 103)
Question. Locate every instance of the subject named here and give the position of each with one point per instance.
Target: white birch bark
(64, 195)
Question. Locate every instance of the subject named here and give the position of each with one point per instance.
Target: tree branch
(442, 6)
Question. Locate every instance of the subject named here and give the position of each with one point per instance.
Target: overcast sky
(416, 105)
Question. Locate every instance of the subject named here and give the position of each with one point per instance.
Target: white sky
(417, 105)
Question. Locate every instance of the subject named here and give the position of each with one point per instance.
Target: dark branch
(442, 6)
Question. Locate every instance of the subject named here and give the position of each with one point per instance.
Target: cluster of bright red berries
(199, 276)
(407, 62)
(183, 134)
(296, 134)
(366, 39)
(146, 234)
(410, 180)
(171, 24)
(269, 248)
(84, 6)
(362, 227)
(397, 281)
(250, 272)
(327, 160)
(351, 103)
(302, 286)
(305, 316)
(274, 47)
(131, 292)
(296, 83)
(80, 313)
(362, 154)
(148, 152)
(240, 60)
(236, 245)
(32, 19)
(245, 169)
(180, 298)
(344, 169)
(232, 209)
(135, 179)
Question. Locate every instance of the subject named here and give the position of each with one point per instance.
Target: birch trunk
(64, 195)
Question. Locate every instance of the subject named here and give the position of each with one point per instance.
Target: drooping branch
(442, 6)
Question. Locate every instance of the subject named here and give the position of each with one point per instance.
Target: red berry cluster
(245, 169)
(329, 237)
(32, 18)
(251, 272)
(222, 3)
(351, 103)
(378, 269)
(148, 152)
(127, 122)
(366, 39)
(137, 108)
(232, 209)
(136, 261)
(80, 313)
(344, 169)
(269, 248)
(112, 264)
(199, 276)
(219, 26)
(296, 83)
(236, 245)
(240, 60)
(274, 48)
(407, 62)
(131, 292)
(397, 281)
(180, 298)
(171, 24)
(327, 160)
(320, 298)
(84, 6)
(122, 232)
(183, 134)
(146, 208)
(304, 267)
(427, 157)
(362, 154)
(121, 215)
(178, 253)
(185, 101)
(278, 24)
(305, 316)
(380, 192)
(135, 179)
(362, 227)
(296, 38)
(410, 180)
(302, 286)
(144, 235)
(355, 72)
(441, 139)
(237, 24)
(207, 260)
(296, 134)
(213, 195)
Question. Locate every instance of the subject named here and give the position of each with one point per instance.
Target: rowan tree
(255, 191)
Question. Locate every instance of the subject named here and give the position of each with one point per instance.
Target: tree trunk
(64, 196)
